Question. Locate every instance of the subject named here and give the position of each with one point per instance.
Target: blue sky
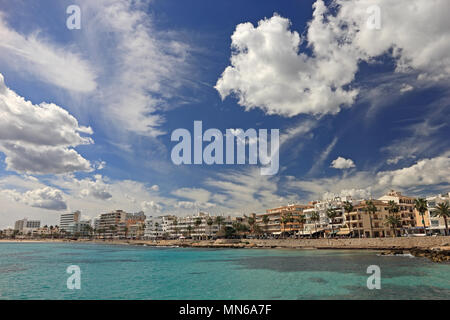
(360, 110)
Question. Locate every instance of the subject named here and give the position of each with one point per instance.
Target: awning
(276, 233)
(343, 232)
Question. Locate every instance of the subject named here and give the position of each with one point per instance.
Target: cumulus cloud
(96, 188)
(269, 71)
(342, 163)
(151, 206)
(37, 139)
(425, 172)
(47, 62)
(45, 198)
(355, 194)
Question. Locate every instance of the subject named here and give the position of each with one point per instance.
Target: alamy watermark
(374, 281)
(74, 280)
(374, 20)
(235, 140)
(74, 19)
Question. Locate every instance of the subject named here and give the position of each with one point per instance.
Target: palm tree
(393, 222)
(331, 214)
(315, 216)
(301, 220)
(265, 220)
(286, 218)
(197, 222)
(420, 205)
(443, 211)
(370, 209)
(219, 221)
(251, 222)
(189, 229)
(348, 207)
(209, 222)
(175, 223)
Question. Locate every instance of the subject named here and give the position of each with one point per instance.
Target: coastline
(436, 249)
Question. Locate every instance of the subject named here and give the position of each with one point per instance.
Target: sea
(78, 271)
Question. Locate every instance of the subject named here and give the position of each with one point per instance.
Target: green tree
(301, 219)
(443, 211)
(251, 222)
(331, 214)
(393, 222)
(348, 207)
(219, 221)
(315, 217)
(370, 209)
(209, 222)
(421, 206)
(197, 223)
(265, 220)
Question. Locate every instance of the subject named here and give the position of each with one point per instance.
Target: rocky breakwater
(436, 254)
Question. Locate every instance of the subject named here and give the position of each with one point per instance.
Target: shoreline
(436, 249)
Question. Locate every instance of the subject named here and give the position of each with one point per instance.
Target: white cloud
(96, 188)
(342, 163)
(46, 61)
(425, 172)
(38, 138)
(268, 71)
(151, 206)
(154, 187)
(355, 194)
(143, 68)
(44, 198)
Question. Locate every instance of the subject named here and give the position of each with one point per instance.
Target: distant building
(154, 228)
(408, 217)
(66, 219)
(437, 224)
(26, 226)
(274, 226)
(112, 224)
(80, 228)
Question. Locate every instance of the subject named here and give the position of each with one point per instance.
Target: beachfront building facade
(154, 228)
(274, 223)
(112, 224)
(67, 219)
(407, 213)
(26, 226)
(436, 224)
(323, 225)
(199, 226)
(79, 228)
(135, 225)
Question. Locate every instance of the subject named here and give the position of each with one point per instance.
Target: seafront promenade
(351, 243)
(436, 249)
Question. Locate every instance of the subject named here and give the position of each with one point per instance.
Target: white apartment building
(175, 227)
(26, 226)
(437, 225)
(68, 218)
(81, 228)
(154, 227)
(324, 223)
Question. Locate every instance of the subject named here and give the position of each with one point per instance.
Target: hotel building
(67, 219)
(275, 215)
(26, 226)
(436, 224)
(406, 213)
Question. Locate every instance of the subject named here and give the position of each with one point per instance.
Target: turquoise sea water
(38, 271)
